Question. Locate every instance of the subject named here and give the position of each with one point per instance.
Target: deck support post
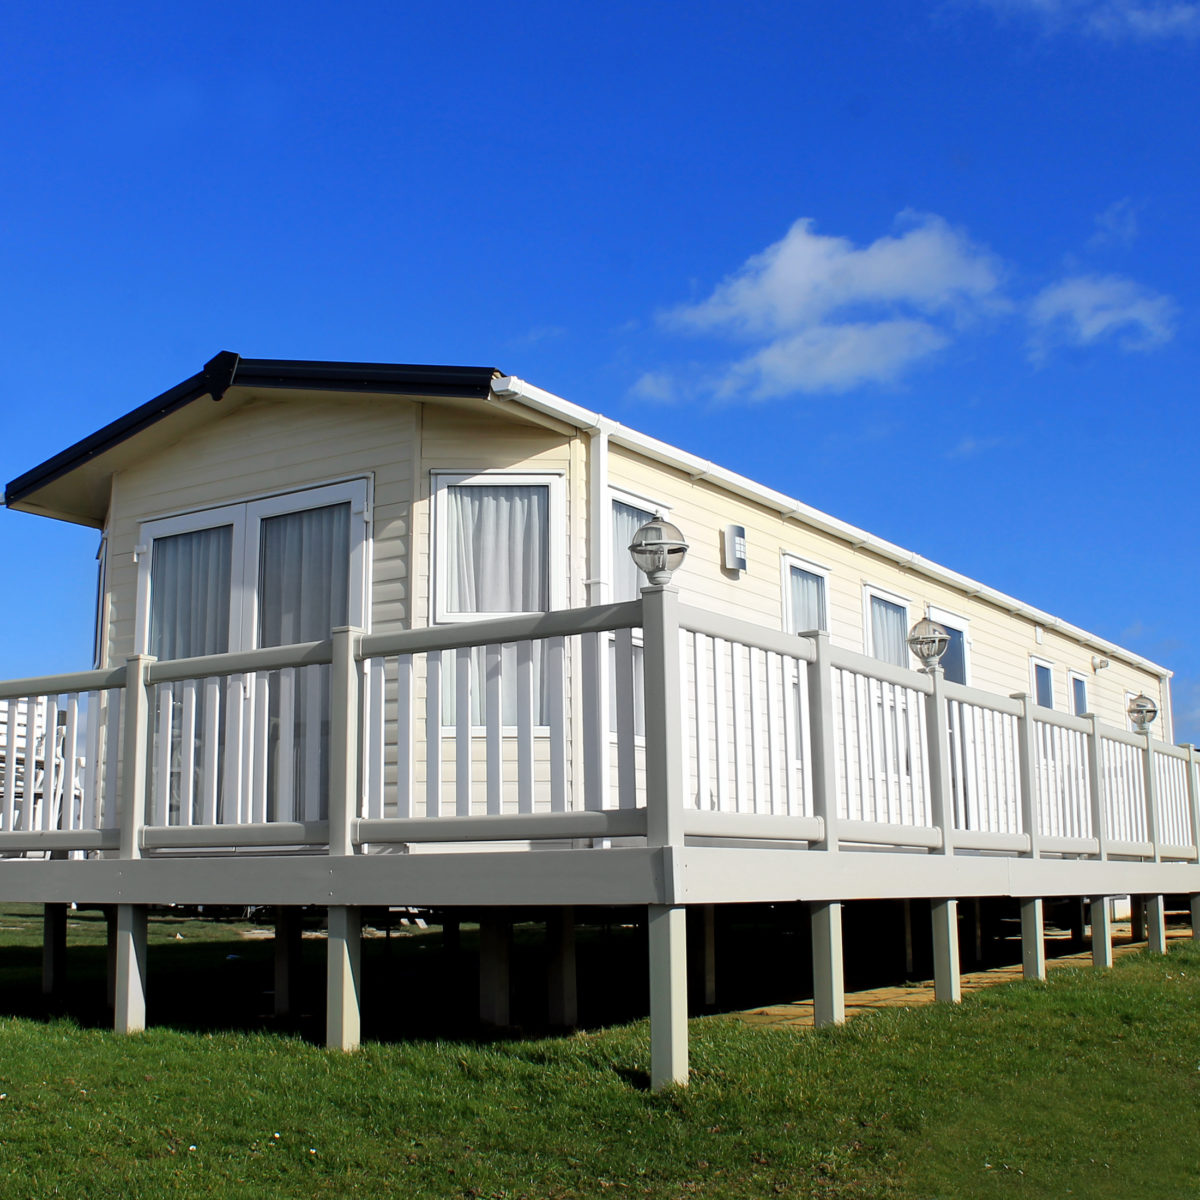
(909, 962)
(288, 943)
(829, 989)
(708, 952)
(1137, 918)
(947, 975)
(1102, 955)
(343, 1018)
(561, 979)
(667, 928)
(54, 948)
(1033, 938)
(1196, 918)
(1156, 925)
(130, 998)
(495, 949)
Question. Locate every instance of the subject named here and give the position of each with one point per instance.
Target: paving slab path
(800, 1012)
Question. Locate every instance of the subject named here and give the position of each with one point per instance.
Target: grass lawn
(1088, 1085)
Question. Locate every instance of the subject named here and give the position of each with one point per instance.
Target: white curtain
(499, 548)
(808, 601)
(627, 580)
(303, 594)
(498, 562)
(303, 575)
(189, 593)
(189, 616)
(889, 632)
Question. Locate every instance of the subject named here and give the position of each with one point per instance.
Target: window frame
(631, 499)
(1074, 677)
(1035, 661)
(872, 590)
(947, 616)
(440, 483)
(788, 560)
(246, 517)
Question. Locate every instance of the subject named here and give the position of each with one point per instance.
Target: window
(267, 572)
(1043, 682)
(99, 638)
(629, 514)
(886, 619)
(1079, 696)
(955, 663)
(498, 552)
(627, 519)
(804, 595)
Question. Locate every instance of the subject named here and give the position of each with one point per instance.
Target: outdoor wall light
(1142, 711)
(928, 641)
(658, 549)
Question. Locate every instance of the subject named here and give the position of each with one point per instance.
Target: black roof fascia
(227, 370)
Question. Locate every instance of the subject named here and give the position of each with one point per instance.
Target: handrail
(734, 629)
(599, 618)
(56, 685)
(241, 662)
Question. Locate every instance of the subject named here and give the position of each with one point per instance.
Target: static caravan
(371, 634)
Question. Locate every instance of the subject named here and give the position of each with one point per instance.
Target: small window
(887, 628)
(1079, 696)
(627, 579)
(955, 660)
(1043, 683)
(805, 596)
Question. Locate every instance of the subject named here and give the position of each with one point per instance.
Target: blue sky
(931, 267)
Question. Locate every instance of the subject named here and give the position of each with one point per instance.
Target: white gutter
(514, 389)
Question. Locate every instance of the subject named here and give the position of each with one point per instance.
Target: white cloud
(1117, 225)
(1141, 20)
(829, 315)
(968, 446)
(1091, 308)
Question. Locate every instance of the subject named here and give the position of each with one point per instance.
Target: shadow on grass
(207, 975)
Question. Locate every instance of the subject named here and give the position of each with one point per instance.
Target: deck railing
(647, 720)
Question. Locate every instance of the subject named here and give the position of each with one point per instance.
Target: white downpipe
(600, 548)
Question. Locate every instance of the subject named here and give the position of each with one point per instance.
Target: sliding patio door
(271, 572)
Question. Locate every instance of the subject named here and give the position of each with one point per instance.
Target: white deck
(766, 764)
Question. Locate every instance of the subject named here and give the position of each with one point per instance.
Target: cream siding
(1000, 642)
(265, 447)
(272, 445)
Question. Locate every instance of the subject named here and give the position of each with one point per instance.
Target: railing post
(344, 922)
(129, 982)
(941, 795)
(1027, 758)
(343, 740)
(135, 719)
(824, 755)
(664, 717)
(1095, 752)
(1151, 786)
(667, 923)
(1193, 795)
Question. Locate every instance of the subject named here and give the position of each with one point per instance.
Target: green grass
(1088, 1085)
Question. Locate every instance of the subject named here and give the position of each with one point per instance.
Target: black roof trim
(227, 370)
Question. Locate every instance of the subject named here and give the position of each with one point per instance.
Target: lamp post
(658, 549)
(1142, 712)
(928, 642)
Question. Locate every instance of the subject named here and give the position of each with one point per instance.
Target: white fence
(548, 726)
